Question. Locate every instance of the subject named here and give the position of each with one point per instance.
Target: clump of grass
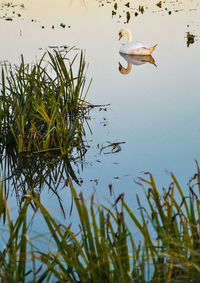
(42, 106)
(174, 247)
(105, 250)
(99, 253)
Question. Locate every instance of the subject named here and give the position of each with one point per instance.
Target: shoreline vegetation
(104, 249)
(43, 106)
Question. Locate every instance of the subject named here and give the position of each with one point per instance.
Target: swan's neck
(129, 35)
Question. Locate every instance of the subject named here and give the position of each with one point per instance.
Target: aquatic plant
(173, 219)
(104, 249)
(14, 252)
(42, 106)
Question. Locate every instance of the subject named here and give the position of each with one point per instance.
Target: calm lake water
(154, 110)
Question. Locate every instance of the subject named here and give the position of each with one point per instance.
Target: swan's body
(134, 47)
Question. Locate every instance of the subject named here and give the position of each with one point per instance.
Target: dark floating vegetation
(42, 106)
(10, 12)
(120, 10)
(125, 11)
(105, 248)
(190, 39)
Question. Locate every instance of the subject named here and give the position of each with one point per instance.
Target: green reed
(14, 254)
(42, 106)
(107, 252)
(105, 249)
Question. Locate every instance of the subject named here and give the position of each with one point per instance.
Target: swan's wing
(137, 44)
(133, 45)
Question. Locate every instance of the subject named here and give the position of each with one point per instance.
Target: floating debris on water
(115, 147)
(124, 10)
(113, 13)
(141, 9)
(128, 16)
(190, 36)
(12, 12)
(190, 39)
(159, 4)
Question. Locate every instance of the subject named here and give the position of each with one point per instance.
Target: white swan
(134, 47)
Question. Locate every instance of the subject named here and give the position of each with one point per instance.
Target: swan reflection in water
(135, 60)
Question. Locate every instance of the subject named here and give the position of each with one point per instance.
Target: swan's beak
(120, 67)
(120, 35)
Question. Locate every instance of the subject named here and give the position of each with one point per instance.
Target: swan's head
(122, 32)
